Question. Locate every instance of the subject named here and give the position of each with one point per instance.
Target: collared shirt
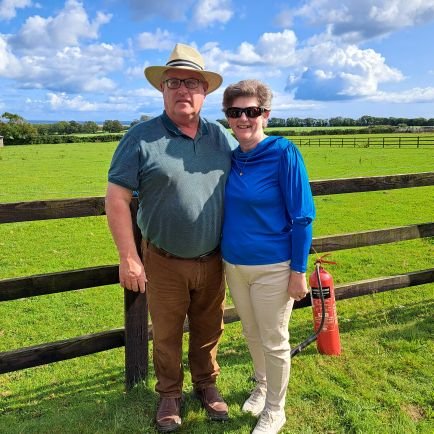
(180, 182)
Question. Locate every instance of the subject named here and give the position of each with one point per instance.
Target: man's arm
(117, 205)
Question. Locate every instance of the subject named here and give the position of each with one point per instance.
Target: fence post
(136, 323)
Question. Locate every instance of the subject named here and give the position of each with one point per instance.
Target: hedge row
(55, 139)
(333, 131)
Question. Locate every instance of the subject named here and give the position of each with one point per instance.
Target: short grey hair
(248, 88)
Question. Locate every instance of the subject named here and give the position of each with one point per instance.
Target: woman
(267, 234)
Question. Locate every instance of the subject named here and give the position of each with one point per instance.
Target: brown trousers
(176, 289)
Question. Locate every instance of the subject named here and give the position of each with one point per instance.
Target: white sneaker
(256, 401)
(270, 422)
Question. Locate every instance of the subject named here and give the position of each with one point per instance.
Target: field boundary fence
(366, 142)
(136, 333)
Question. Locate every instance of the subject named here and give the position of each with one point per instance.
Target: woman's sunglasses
(251, 112)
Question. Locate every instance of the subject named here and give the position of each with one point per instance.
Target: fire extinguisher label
(316, 294)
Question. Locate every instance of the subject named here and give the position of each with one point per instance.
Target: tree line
(17, 131)
(339, 121)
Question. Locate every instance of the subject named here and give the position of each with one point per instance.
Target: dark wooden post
(136, 323)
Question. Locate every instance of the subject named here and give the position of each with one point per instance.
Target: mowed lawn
(381, 383)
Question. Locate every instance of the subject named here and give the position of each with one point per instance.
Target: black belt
(201, 258)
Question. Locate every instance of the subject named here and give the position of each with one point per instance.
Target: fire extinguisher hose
(314, 336)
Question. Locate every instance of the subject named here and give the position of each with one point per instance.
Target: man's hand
(132, 274)
(297, 287)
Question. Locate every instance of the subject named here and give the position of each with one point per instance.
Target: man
(178, 162)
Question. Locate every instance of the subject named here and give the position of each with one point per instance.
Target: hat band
(179, 62)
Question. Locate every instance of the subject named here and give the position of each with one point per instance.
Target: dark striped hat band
(179, 62)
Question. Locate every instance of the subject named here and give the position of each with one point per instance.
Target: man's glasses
(175, 83)
(251, 112)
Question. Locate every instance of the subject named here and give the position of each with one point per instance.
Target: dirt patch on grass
(414, 411)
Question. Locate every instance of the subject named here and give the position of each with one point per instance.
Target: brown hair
(248, 88)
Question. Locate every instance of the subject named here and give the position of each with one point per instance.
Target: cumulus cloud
(9, 64)
(64, 102)
(272, 49)
(361, 20)
(319, 69)
(327, 71)
(208, 12)
(8, 8)
(46, 53)
(159, 40)
(72, 69)
(65, 29)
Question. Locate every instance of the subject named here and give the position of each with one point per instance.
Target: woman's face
(248, 131)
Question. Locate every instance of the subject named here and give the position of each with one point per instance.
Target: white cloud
(208, 12)
(327, 71)
(8, 8)
(46, 53)
(321, 69)
(160, 40)
(9, 64)
(64, 102)
(272, 49)
(415, 95)
(362, 20)
(65, 29)
(72, 69)
(278, 48)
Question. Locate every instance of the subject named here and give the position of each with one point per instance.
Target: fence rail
(136, 333)
(366, 142)
(94, 206)
(63, 281)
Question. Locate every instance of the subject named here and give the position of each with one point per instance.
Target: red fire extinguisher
(320, 281)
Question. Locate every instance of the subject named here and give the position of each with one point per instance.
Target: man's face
(183, 104)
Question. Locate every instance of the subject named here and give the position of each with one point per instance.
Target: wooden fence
(367, 142)
(136, 333)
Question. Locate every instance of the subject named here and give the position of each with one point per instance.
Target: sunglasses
(251, 112)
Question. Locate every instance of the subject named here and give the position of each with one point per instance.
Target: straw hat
(184, 57)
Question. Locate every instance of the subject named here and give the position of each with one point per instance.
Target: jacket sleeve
(300, 208)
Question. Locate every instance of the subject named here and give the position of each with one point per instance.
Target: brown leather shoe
(213, 403)
(168, 416)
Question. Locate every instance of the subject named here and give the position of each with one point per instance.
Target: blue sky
(84, 60)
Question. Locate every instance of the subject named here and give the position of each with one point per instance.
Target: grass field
(382, 383)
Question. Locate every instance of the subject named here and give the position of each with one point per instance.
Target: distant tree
(276, 122)
(89, 127)
(111, 126)
(60, 127)
(16, 130)
(12, 118)
(43, 129)
(73, 128)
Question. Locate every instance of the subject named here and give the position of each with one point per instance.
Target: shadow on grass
(99, 404)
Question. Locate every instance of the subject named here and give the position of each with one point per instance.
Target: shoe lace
(266, 420)
(257, 395)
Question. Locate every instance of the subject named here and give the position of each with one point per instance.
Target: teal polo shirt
(180, 182)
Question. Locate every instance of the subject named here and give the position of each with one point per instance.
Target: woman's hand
(297, 287)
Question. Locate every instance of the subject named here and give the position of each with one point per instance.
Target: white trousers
(260, 295)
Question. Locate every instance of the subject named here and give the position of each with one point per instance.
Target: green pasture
(382, 383)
